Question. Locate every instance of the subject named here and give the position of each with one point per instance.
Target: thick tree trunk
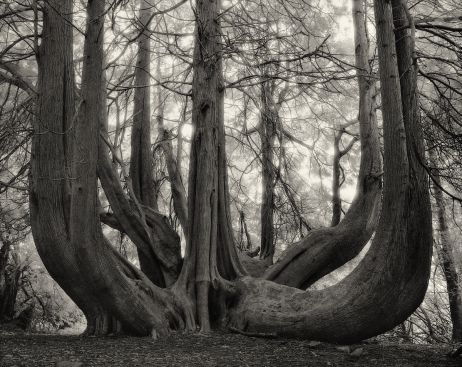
(267, 131)
(324, 250)
(51, 156)
(102, 283)
(141, 164)
(391, 281)
(446, 257)
(210, 251)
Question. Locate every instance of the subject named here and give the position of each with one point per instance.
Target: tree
(211, 290)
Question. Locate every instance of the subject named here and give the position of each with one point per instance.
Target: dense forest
(260, 167)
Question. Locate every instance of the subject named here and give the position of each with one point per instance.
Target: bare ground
(213, 350)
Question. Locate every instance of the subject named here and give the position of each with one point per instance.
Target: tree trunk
(104, 285)
(380, 293)
(210, 251)
(326, 249)
(141, 169)
(267, 131)
(391, 281)
(51, 157)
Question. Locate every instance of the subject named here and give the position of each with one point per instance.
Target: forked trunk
(211, 256)
(50, 160)
(65, 219)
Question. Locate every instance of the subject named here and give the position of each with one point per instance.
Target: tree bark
(149, 230)
(211, 255)
(51, 156)
(326, 249)
(141, 163)
(109, 290)
(267, 131)
(380, 293)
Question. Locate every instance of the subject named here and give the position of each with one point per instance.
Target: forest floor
(22, 349)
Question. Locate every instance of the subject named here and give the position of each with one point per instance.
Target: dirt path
(198, 350)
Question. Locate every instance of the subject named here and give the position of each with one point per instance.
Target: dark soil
(213, 350)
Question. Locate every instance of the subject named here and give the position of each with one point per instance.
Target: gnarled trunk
(64, 216)
(380, 293)
(211, 256)
(51, 156)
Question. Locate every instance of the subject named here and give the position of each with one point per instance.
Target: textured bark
(336, 200)
(391, 281)
(141, 164)
(210, 251)
(141, 158)
(447, 259)
(109, 290)
(51, 156)
(324, 250)
(267, 130)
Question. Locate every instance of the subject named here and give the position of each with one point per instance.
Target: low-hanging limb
(391, 281)
(211, 258)
(326, 249)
